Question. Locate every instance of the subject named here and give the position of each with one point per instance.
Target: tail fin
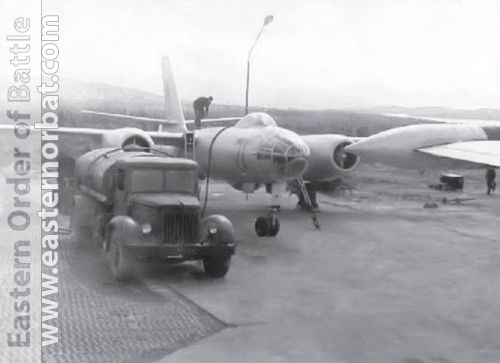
(173, 106)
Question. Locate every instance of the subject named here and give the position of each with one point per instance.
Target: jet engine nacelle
(127, 136)
(328, 159)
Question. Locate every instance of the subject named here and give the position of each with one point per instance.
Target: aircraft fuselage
(251, 155)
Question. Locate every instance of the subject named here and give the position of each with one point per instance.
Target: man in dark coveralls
(201, 106)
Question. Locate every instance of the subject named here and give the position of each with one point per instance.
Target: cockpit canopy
(256, 119)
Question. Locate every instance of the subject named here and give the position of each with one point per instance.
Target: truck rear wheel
(119, 263)
(216, 267)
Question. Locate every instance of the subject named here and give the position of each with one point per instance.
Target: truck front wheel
(216, 267)
(120, 265)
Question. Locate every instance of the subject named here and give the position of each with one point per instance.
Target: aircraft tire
(261, 227)
(120, 266)
(273, 228)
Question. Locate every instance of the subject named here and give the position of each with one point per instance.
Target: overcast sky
(314, 54)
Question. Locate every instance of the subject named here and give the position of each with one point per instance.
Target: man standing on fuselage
(201, 106)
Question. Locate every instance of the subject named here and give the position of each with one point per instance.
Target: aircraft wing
(221, 121)
(72, 142)
(485, 152)
(166, 138)
(75, 141)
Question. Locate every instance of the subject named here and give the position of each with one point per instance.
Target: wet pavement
(384, 280)
(104, 321)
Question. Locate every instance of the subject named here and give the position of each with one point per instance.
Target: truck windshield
(158, 180)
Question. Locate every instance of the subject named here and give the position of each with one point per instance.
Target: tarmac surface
(384, 280)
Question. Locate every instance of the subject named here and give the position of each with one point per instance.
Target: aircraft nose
(295, 168)
(287, 151)
(297, 151)
(296, 159)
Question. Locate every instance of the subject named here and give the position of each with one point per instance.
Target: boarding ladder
(307, 198)
(189, 146)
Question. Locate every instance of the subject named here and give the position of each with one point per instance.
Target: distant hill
(77, 95)
(480, 113)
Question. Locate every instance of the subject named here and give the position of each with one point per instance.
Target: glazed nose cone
(296, 156)
(295, 167)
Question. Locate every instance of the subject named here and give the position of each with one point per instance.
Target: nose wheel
(267, 226)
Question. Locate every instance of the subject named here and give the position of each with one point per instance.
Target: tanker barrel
(94, 173)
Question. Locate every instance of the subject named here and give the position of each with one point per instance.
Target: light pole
(267, 20)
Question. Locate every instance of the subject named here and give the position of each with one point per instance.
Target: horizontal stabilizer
(160, 123)
(130, 117)
(478, 152)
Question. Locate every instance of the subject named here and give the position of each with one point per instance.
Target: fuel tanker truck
(144, 207)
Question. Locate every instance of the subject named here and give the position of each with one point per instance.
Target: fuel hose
(209, 166)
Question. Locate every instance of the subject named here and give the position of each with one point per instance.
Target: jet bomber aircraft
(254, 152)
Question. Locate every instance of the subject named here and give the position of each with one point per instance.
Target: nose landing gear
(269, 225)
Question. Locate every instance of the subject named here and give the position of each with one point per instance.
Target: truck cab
(144, 208)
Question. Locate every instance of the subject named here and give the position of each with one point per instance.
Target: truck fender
(122, 230)
(224, 234)
(85, 210)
